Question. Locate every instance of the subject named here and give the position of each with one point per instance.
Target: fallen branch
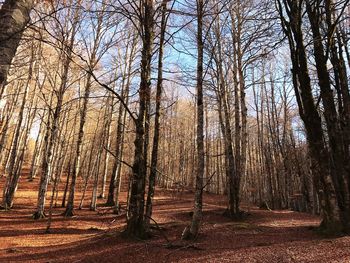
(159, 229)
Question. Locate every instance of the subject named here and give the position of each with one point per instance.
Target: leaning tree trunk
(308, 111)
(17, 153)
(11, 181)
(335, 134)
(5, 118)
(14, 16)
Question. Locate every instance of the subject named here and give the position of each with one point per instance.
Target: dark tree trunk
(154, 158)
(335, 134)
(308, 111)
(135, 221)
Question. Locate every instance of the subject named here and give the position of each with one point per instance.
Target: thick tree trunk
(335, 134)
(307, 108)
(135, 222)
(14, 16)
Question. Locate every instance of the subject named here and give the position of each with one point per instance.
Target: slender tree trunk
(37, 149)
(92, 161)
(12, 177)
(76, 170)
(192, 231)
(52, 134)
(155, 146)
(107, 145)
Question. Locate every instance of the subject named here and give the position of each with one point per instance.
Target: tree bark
(192, 231)
(14, 16)
(155, 146)
(135, 222)
(308, 112)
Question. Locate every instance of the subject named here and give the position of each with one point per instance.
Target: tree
(154, 160)
(135, 222)
(291, 19)
(14, 17)
(52, 131)
(191, 232)
(94, 58)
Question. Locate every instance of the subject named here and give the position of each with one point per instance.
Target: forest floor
(95, 236)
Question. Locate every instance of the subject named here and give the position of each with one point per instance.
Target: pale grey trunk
(115, 182)
(108, 145)
(51, 136)
(92, 163)
(5, 123)
(77, 162)
(191, 232)
(14, 16)
(47, 160)
(37, 150)
(93, 204)
(76, 169)
(105, 130)
(11, 179)
(118, 181)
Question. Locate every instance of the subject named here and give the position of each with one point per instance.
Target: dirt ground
(95, 236)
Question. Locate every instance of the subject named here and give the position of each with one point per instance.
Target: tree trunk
(114, 184)
(191, 232)
(12, 176)
(154, 159)
(14, 16)
(308, 112)
(135, 222)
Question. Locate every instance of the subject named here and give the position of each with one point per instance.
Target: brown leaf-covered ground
(95, 236)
